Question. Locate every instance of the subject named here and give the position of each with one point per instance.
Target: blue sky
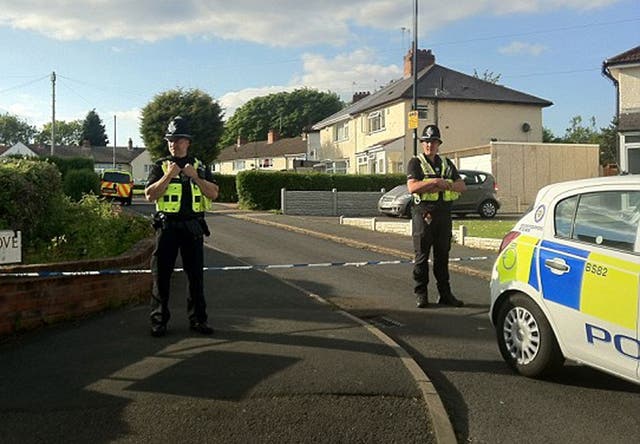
(115, 55)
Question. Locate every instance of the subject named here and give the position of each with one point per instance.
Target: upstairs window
(341, 132)
(375, 122)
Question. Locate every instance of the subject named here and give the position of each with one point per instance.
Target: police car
(566, 282)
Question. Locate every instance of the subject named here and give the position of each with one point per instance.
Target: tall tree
(197, 107)
(286, 112)
(93, 130)
(67, 133)
(14, 130)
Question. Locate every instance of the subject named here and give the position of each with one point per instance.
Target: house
(624, 71)
(135, 160)
(18, 149)
(371, 135)
(273, 154)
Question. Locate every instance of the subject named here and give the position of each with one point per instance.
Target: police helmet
(430, 133)
(178, 127)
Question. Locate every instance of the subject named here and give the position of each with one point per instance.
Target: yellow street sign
(413, 119)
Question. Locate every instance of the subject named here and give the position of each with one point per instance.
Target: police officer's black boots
(201, 327)
(447, 298)
(422, 301)
(158, 330)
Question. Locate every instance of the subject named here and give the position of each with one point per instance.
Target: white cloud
(344, 75)
(517, 48)
(282, 23)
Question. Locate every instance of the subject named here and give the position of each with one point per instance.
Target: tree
(487, 76)
(93, 130)
(14, 130)
(197, 107)
(67, 133)
(606, 138)
(578, 133)
(286, 112)
(609, 143)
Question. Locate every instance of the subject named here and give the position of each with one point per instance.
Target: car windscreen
(114, 176)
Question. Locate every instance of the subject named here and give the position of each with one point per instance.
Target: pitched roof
(99, 154)
(629, 56)
(436, 82)
(250, 150)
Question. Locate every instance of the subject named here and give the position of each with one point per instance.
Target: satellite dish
(526, 127)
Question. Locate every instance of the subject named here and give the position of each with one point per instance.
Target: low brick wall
(30, 302)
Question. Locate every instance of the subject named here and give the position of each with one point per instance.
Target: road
(486, 402)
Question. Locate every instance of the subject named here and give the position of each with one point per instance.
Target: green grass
(493, 228)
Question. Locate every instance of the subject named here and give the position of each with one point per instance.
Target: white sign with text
(10, 247)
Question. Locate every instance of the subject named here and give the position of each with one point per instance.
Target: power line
(22, 85)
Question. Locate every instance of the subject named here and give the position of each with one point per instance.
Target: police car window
(609, 219)
(563, 220)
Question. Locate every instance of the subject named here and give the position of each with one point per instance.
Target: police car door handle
(557, 266)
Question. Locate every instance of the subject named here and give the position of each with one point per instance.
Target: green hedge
(72, 163)
(259, 190)
(227, 184)
(77, 183)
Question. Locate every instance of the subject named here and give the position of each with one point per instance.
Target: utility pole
(414, 66)
(114, 142)
(53, 111)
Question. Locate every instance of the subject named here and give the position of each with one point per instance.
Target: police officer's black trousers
(436, 234)
(172, 237)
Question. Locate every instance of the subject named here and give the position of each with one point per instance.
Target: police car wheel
(488, 209)
(527, 342)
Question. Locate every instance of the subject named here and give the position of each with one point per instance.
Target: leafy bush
(53, 227)
(30, 198)
(258, 190)
(92, 229)
(79, 182)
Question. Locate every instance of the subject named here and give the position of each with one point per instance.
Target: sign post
(10, 247)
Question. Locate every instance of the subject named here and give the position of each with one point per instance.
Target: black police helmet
(178, 127)
(430, 132)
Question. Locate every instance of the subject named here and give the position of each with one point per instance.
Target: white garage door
(479, 163)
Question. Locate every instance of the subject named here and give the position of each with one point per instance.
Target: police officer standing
(182, 188)
(435, 183)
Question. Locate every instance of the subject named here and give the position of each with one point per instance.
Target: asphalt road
(486, 402)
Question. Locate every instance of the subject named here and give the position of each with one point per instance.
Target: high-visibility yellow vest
(169, 202)
(446, 173)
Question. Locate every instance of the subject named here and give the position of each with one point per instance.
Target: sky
(115, 56)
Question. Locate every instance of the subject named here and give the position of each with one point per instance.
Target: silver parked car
(480, 197)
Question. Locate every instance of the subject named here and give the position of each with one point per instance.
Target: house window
(341, 132)
(363, 165)
(266, 163)
(375, 121)
(423, 112)
(238, 165)
(337, 167)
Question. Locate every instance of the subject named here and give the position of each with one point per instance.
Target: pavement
(282, 365)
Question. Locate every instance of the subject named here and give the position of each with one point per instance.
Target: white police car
(566, 281)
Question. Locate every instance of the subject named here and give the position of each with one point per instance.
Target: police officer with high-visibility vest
(182, 188)
(435, 183)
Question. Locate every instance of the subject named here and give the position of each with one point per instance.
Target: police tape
(227, 268)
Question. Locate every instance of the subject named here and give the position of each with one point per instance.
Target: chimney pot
(425, 58)
(272, 136)
(359, 96)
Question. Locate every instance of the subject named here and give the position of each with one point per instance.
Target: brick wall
(30, 302)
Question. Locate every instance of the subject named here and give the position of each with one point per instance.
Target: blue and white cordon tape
(227, 268)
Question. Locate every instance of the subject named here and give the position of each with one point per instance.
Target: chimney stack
(425, 58)
(240, 141)
(359, 96)
(272, 136)
(130, 144)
